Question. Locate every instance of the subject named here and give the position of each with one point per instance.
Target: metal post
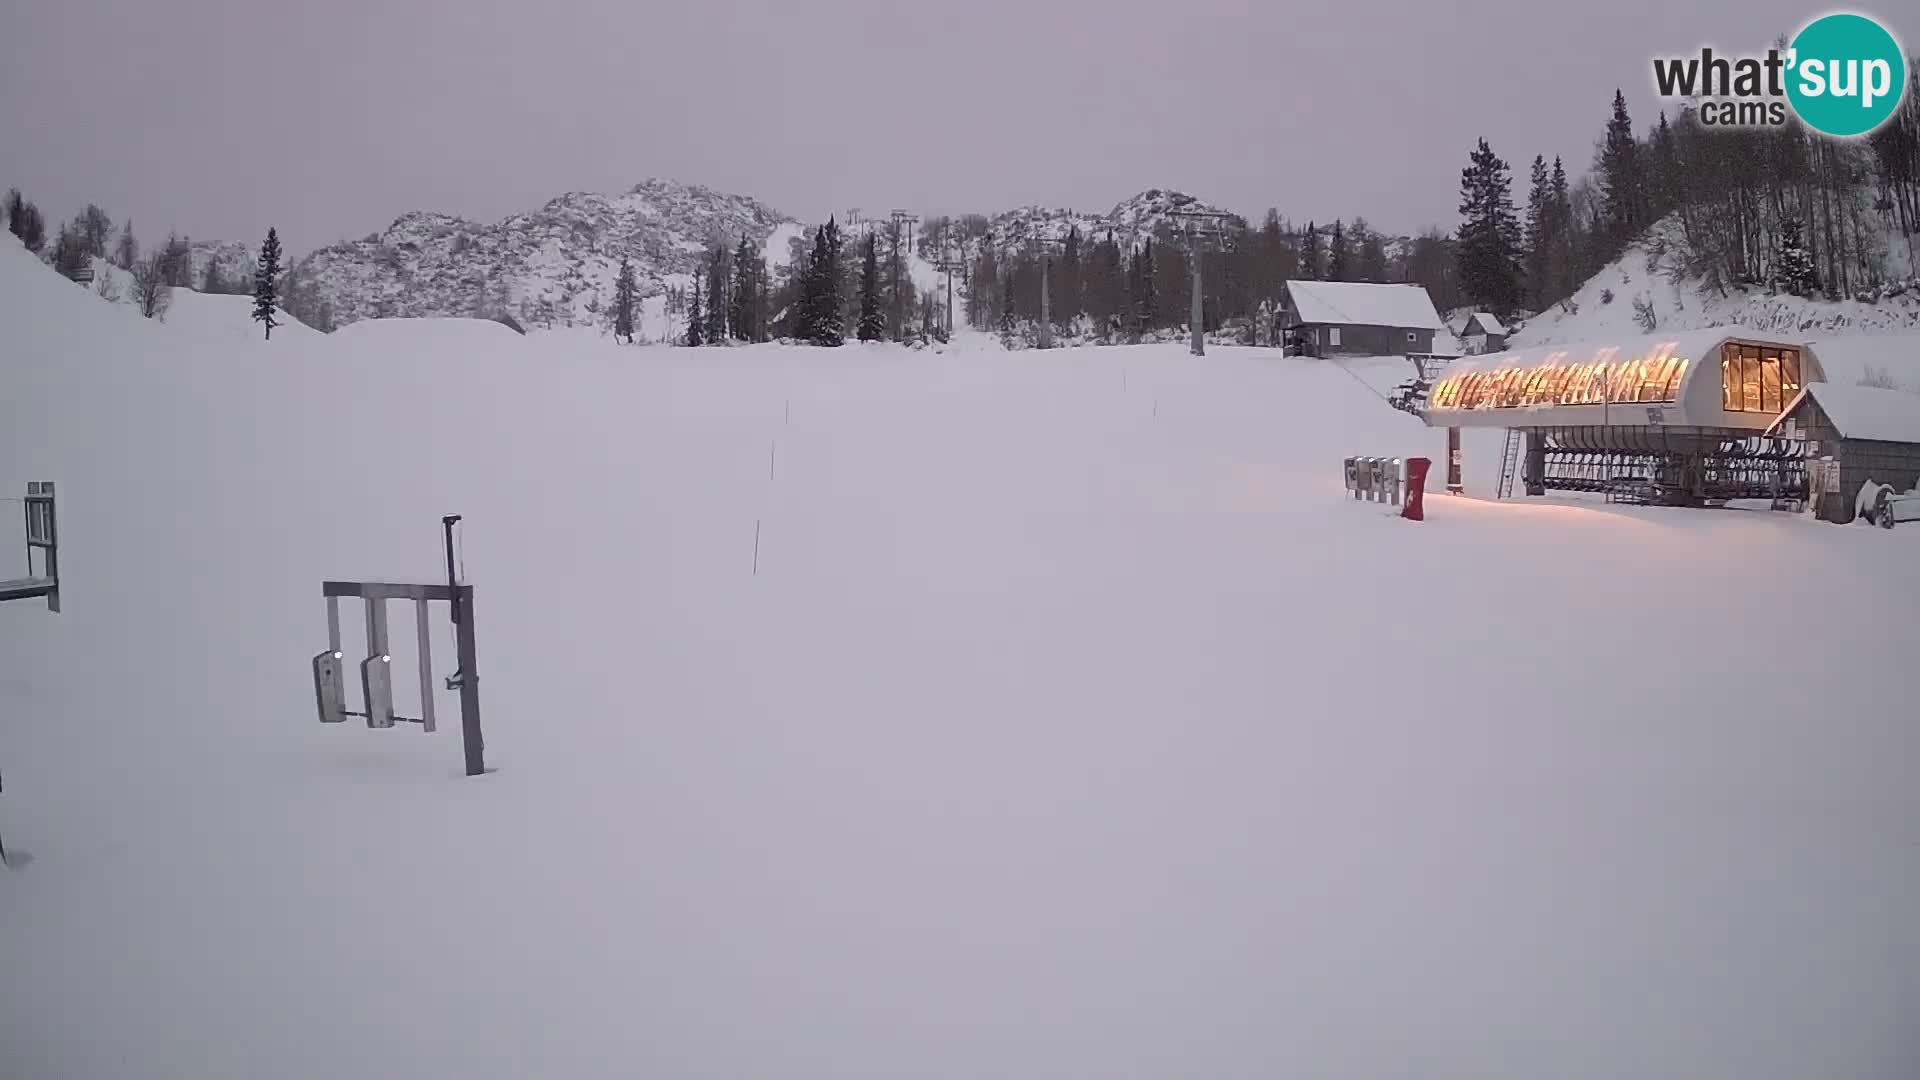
(1455, 485)
(469, 683)
(376, 671)
(425, 645)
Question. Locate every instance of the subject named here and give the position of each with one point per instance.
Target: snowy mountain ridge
(1131, 221)
(555, 266)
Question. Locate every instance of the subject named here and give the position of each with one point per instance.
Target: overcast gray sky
(329, 119)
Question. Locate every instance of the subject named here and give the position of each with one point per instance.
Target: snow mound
(229, 316)
(435, 333)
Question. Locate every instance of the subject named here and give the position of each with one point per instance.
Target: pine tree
(696, 321)
(266, 282)
(1146, 313)
(1337, 253)
(762, 300)
(1539, 234)
(719, 305)
(1663, 179)
(176, 261)
(1561, 259)
(746, 289)
(127, 251)
(1372, 251)
(14, 209)
(1794, 269)
(1069, 300)
(828, 324)
(1489, 237)
(1310, 265)
(1007, 322)
(872, 327)
(985, 283)
(626, 293)
(210, 282)
(33, 228)
(96, 228)
(1106, 288)
(69, 252)
(1622, 185)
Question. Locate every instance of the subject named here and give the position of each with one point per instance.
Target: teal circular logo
(1846, 75)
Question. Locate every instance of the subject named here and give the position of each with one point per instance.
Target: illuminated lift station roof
(1659, 379)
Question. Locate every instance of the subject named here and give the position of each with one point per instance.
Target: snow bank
(1074, 725)
(433, 333)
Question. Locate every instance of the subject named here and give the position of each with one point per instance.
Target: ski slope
(1073, 725)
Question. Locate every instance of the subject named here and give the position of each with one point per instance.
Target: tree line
(1782, 208)
(90, 236)
(1109, 289)
(734, 297)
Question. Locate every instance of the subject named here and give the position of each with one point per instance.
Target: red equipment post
(1416, 487)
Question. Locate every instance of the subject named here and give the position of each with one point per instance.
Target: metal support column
(469, 682)
(425, 645)
(1534, 475)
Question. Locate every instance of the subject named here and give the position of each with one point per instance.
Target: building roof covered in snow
(1863, 412)
(1488, 324)
(1359, 303)
(1723, 378)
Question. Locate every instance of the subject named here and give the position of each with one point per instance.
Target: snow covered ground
(1074, 725)
(1605, 307)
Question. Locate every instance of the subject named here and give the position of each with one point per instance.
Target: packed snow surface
(1074, 725)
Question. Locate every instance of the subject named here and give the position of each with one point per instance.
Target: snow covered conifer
(32, 228)
(746, 289)
(127, 251)
(872, 327)
(1623, 183)
(1337, 253)
(1007, 322)
(696, 322)
(719, 304)
(266, 282)
(828, 327)
(1488, 251)
(625, 293)
(1794, 270)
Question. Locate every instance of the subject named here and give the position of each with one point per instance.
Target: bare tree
(106, 287)
(151, 292)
